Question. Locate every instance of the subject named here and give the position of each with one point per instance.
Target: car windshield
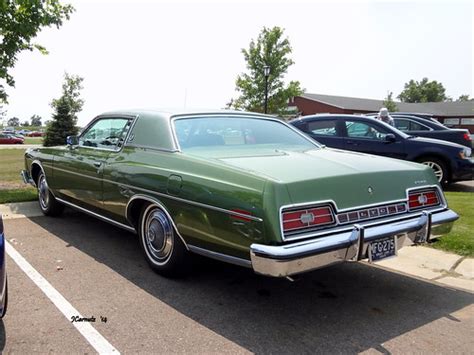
(237, 135)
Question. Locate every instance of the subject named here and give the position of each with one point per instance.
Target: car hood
(341, 176)
(444, 144)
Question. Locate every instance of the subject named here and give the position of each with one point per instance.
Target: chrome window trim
(132, 118)
(243, 115)
(341, 227)
(97, 215)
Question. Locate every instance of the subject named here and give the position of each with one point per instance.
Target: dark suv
(450, 162)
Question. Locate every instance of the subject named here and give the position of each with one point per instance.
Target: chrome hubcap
(43, 193)
(436, 168)
(158, 235)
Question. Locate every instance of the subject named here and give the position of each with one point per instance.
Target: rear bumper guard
(295, 258)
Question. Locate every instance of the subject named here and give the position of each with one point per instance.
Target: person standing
(384, 116)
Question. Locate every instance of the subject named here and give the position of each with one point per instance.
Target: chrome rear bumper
(352, 245)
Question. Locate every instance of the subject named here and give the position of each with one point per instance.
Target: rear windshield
(237, 133)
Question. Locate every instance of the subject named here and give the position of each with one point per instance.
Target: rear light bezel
(423, 191)
(339, 226)
(308, 208)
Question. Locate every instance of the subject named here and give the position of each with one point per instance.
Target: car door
(371, 137)
(78, 170)
(326, 131)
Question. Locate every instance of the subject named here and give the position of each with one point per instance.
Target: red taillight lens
(467, 137)
(419, 199)
(307, 218)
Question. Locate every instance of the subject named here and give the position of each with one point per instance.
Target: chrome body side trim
(161, 206)
(221, 257)
(198, 204)
(352, 245)
(106, 219)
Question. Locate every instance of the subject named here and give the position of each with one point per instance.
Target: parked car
(35, 134)
(3, 273)
(451, 162)
(430, 128)
(10, 139)
(239, 187)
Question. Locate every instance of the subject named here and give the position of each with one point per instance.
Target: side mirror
(390, 138)
(72, 140)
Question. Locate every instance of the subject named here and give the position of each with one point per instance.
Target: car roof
(167, 113)
(331, 115)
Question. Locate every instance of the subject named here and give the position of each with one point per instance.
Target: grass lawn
(461, 238)
(18, 195)
(33, 140)
(11, 163)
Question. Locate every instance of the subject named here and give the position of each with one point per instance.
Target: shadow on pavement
(345, 308)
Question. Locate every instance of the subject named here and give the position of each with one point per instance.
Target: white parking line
(98, 342)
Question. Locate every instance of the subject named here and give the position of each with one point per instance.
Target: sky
(143, 54)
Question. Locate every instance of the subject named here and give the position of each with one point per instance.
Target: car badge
(307, 218)
(422, 199)
(370, 190)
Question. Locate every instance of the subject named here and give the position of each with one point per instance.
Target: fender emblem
(370, 190)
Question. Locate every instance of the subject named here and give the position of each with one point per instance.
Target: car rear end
(316, 234)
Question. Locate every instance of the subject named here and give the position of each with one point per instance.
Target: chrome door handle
(97, 164)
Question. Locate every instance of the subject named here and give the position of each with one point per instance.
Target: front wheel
(47, 202)
(438, 166)
(163, 249)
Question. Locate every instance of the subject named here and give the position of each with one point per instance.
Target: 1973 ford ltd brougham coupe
(240, 187)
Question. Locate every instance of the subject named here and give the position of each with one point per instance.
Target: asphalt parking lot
(100, 271)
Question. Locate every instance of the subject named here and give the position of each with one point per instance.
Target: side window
(402, 125)
(365, 131)
(322, 127)
(414, 126)
(106, 133)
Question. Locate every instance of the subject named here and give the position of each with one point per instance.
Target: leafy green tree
(36, 120)
(464, 98)
(25, 124)
(423, 91)
(389, 103)
(14, 121)
(20, 22)
(273, 50)
(64, 119)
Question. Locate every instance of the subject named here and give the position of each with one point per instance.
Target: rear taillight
(307, 218)
(467, 137)
(421, 199)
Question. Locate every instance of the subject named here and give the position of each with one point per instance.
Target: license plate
(382, 249)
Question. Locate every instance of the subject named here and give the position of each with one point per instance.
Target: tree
(14, 121)
(423, 91)
(270, 49)
(25, 124)
(389, 103)
(20, 22)
(64, 119)
(36, 120)
(464, 98)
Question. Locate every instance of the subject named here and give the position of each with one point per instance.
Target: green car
(240, 187)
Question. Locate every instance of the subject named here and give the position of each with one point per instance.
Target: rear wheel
(47, 202)
(438, 166)
(163, 249)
